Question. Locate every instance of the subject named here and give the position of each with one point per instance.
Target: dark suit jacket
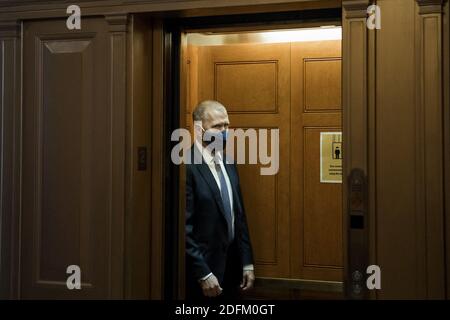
(206, 226)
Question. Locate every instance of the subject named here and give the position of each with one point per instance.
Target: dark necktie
(225, 200)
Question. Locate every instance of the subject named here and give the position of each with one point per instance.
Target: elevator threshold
(300, 284)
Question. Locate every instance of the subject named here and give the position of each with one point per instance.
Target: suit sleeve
(194, 257)
(244, 244)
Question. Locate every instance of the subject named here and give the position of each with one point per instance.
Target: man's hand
(248, 278)
(210, 286)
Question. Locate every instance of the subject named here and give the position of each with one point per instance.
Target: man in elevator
(219, 258)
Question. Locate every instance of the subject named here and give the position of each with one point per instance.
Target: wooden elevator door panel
(316, 207)
(252, 81)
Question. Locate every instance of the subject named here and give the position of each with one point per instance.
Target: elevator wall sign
(331, 157)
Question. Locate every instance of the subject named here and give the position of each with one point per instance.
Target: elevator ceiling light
(322, 33)
(301, 35)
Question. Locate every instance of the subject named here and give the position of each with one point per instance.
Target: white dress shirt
(211, 161)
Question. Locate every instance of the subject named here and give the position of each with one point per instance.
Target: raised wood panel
(117, 38)
(266, 201)
(10, 120)
(322, 217)
(191, 81)
(63, 172)
(253, 83)
(137, 225)
(72, 170)
(446, 86)
(262, 212)
(396, 146)
(247, 78)
(157, 162)
(316, 219)
(356, 128)
(322, 81)
(429, 151)
(247, 87)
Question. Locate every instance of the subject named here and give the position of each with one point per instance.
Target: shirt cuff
(206, 277)
(248, 267)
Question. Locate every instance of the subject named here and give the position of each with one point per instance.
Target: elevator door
(295, 220)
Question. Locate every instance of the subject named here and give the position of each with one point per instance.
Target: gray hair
(201, 109)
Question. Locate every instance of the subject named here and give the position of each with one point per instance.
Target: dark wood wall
(72, 191)
(393, 110)
(395, 120)
(74, 139)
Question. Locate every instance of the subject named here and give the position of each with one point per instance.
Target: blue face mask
(223, 135)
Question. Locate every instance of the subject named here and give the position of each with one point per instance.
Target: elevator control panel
(358, 251)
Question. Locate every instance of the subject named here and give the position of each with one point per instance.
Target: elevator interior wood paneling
(295, 221)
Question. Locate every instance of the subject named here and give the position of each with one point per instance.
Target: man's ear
(198, 130)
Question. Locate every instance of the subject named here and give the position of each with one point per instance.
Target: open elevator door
(288, 80)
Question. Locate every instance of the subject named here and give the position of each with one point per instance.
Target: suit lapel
(209, 178)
